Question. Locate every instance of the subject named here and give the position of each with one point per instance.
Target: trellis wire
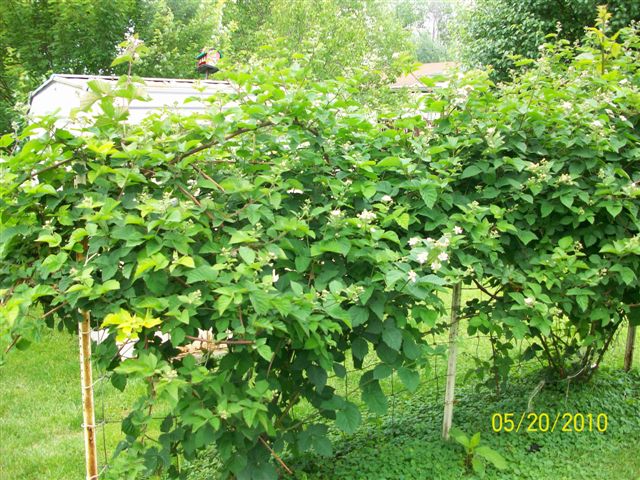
(434, 378)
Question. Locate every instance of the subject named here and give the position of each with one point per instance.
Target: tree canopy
(487, 32)
(38, 38)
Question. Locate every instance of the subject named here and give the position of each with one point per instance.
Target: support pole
(86, 380)
(628, 353)
(451, 362)
(88, 415)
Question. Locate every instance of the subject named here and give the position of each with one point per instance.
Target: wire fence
(474, 351)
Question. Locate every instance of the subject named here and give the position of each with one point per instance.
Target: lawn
(40, 424)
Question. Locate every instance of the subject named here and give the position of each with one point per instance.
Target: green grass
(41, 435)
(407, 445)
(41, 412)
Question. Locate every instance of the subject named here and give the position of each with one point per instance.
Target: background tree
(486, 32)
(41, 37)
(428, 21)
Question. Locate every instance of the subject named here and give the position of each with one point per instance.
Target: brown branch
(221, 342)
(13, 343)
(207, 177)
(212, 143)
(240, 316)
(17, 338)
(53, 310)
(484, 290)
(275, 455)
(50, 167)
(196, 201)
(292, 402)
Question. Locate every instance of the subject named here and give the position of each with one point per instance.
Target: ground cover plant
(41, 416)
(308, 230)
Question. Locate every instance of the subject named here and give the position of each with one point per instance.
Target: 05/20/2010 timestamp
(545, 422)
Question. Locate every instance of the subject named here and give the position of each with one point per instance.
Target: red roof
(424, 70)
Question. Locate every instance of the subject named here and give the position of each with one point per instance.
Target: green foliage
(339, 35)
(40, 38)
(490, 31)
(408, 445)
(282, 223)
(301, 226)
(545, 182)
(476, 454)
(427, 50)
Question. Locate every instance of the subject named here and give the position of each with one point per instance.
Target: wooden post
(451, 362)
(628, 353)
(86, 378)
(88, 415)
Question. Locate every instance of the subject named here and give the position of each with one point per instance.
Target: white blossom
(436, 265)
(457, 230)
(336, 213)
(443, 242)
(422, 257)
(274, 276)
(413, 276)
(443, 257)
(414, 241)
(529, 301)
(387, 199)
(295, 191)
(366, 215)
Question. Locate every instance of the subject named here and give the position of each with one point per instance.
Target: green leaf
(374, 397)
(358, 315)
(429, 195)
(348, 419)
(526, 236)
(478, 465)
(566, 200)
(203, 273)
(222, 303)
(492, 456)
(390, 162)
(460, 437)
(240, 236)
(247, 254)
(341, 246)
(265, 352)
(53, 263)
(392, 336)
(186, 261)
(317, 376)
(409, 378)
(261, 301)
(614, 209)
(359, 348)
(302, 263)
(471, 171)
(53, 239)
(382, 371)
(403, 220)
(475, 440)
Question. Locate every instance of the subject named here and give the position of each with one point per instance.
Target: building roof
(62, 93)
(412, 80)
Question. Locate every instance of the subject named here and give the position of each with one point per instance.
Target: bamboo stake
(86, 377)
(88, 415)
(628, 353)
(451, 362)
